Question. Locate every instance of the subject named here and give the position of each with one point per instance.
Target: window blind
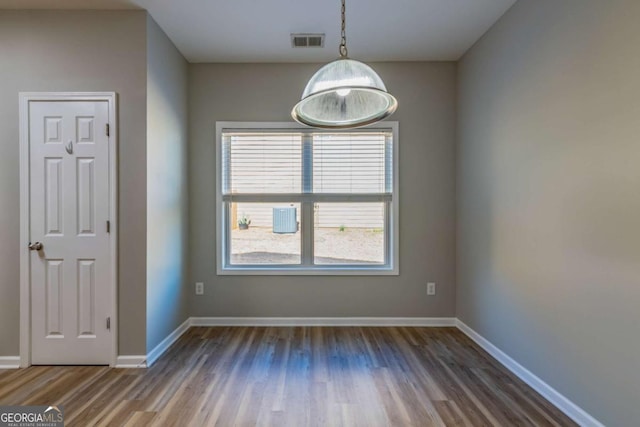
(262, 163)
(269, 162)
(351, 163)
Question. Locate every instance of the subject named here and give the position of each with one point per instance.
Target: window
(295, 200)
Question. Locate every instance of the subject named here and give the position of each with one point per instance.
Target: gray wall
(549, 197)
(267, 92)
(76, 51)
(167, 72)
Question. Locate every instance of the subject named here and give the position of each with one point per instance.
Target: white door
(69, 241)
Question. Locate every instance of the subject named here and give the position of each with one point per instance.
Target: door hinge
(108, 323)
(108, 226)
(108, 130)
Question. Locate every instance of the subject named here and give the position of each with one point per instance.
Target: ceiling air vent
(307, 40)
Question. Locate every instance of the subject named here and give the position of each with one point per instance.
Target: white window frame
(392, 214)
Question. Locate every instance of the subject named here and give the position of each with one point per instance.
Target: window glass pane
(349, 233)
(264, 233)
(261, 163)
(351, 162)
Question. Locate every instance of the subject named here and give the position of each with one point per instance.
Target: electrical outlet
(199, 288)
(431, 288)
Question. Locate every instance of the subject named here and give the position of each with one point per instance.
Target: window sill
(306, 271)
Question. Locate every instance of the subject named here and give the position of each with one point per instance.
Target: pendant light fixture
(344, 94)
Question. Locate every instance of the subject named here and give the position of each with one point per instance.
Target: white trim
(570, 409)
(9, 362)
(114, 191)
(25, 289)
(393, 232)
(130, 362)
(324, 321)
(159, 350)
(324, 270)
(25, 292)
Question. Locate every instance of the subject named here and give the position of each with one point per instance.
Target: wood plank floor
(302, 376)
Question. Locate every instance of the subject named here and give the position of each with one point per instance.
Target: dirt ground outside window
(259, 245)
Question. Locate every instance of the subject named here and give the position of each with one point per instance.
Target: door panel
(84, 130)
(53, 297)
(53, 196)
(69, 200)
(86, 297)
(53, 130)
(85, 184)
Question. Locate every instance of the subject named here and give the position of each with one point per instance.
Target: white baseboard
(570, 409)
(9, 362)
(324, 321)
(159, 350)
(131, 361)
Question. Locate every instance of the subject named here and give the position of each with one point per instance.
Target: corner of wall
(167, 192)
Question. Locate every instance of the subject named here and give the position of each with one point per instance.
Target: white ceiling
(258, 30)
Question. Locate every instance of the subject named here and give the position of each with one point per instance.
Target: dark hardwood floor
(302, 376)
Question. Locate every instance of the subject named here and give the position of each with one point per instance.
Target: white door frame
(25, 267)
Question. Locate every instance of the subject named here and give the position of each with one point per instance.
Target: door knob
(37, 246)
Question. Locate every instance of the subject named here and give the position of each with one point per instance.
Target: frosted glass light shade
(344, 94)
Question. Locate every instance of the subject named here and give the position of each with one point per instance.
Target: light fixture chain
(343, 33)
